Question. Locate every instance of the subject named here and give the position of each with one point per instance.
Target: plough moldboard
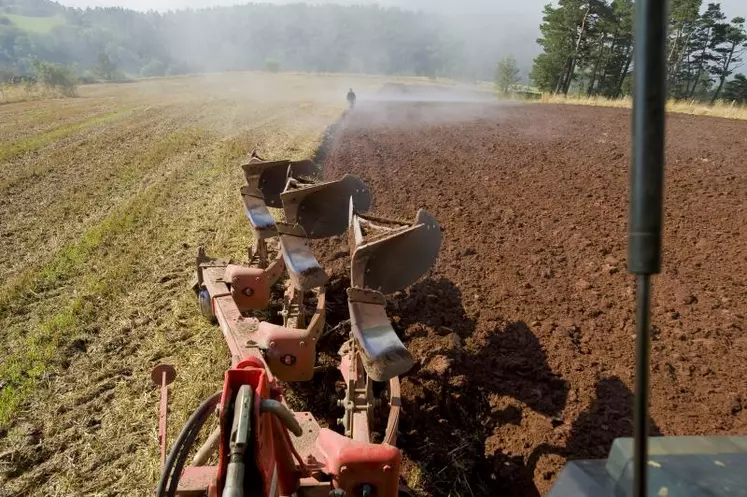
(263, 447)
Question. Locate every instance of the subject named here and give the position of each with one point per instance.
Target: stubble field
(103, 201)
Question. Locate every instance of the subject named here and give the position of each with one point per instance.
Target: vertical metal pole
(646, 201)
(640, 431)
(163, 375)
(162, 426)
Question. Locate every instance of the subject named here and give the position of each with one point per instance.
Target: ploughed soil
(523, 331)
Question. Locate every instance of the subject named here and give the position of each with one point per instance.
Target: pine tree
(617, 54)
(556, 43)
(702, 46)
(683, 22)
(730, 43)
(588, 44)
(567, 39)
(736, 89)
(624, 10)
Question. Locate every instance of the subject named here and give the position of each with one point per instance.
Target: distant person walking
(351, 98)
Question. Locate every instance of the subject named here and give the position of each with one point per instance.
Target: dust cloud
(456, 39)
(461, 40)
(410, 106)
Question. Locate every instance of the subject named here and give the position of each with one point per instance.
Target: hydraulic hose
(177, 457)
(183, 453)
(284, 414)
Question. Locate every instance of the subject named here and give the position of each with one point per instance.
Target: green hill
(41, 25)
(31, 8)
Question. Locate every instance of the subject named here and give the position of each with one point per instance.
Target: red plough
(264, 448)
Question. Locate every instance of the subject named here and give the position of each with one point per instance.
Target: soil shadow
(449, 396)
(320, 395)
(610, 416)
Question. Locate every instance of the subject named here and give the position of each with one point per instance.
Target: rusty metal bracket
(290, 350)
(359, 400)
(163, 375)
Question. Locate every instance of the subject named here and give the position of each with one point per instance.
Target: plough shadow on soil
(448, 416)
(610, 416)
(469, 381)
(320, 395)
(449, 396)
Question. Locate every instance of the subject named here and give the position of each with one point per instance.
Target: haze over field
(526, 8)
(499, 28)
(340, 36)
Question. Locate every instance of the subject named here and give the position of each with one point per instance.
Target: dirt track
(524, 330)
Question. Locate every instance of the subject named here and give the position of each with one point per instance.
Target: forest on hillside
(588, 48)
(297, 37)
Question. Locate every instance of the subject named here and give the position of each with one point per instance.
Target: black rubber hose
(184, 453)
(182, 456)
(184, 440)
(184, 443)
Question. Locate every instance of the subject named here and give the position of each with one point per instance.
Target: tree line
(587, 45)
(588, 49)
(298, 37)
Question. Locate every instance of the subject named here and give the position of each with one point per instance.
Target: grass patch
(729, 110)
(26, 145)
(103, 275)
(69, 260)
(40, 25)
(29, 359)
(19, 370)
(101, 268)
(111, 299)
(15, 93)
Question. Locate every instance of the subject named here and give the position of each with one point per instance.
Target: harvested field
(524, 330)
(103, 201)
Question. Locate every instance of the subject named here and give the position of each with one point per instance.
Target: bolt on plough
(263, 447)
